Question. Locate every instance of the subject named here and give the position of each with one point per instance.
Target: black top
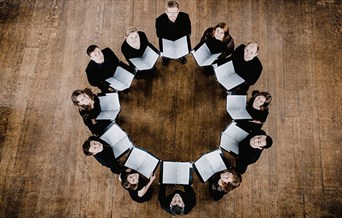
(188, 196)
(217, 46)
(249, 70)
(107, 159)
(248, 154)
(134, 193)
(88, 115)
(98, 73)
(173, 30)
(256, 114)
(130, 52)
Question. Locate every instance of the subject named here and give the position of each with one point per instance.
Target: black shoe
(182, 60)
(165, 61)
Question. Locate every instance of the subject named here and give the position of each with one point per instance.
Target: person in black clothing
(89, 108)
(247, 65)
(257, 107)
(102, 152)
(250, 149)
(178, 202)
(102, 66)
(134, 46)
(223, 182)
(218, 40)
(137, 186)
(173, 25)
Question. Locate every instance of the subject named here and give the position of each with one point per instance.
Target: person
(173, 25)
(219, 40)
(138, 187)
(134, 46)
(251, 148)
(247, 65)
(101, 66)
(257, 107)
(223, 182)
(178, 202)
(102, 152)
(88, 105)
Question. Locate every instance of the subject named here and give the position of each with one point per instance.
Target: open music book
(122, 77)
(147, 60)
(117, 139)
(236, 107)
(175, 49)
(231, 137)
(203, 55)
(142, 162)
(110, 106)
(176, 173)
(227, 76)
(209, 164)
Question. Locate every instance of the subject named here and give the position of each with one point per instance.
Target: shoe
(165, 61)
(182, 60)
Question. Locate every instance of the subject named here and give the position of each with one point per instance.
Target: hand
(153, 177)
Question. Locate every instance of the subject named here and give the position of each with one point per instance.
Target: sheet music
(235, 132)
(209, 164)
(227, 77)
(175, 49)
(113, 135)
(236, 107)
(109, 106)
(142, 162)
(176, 172)
(147, 60)
(121, 79)
(122, 146)
(203, 56)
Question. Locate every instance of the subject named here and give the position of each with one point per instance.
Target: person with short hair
(137, 186)
(251, 148)
(101, 66)
(247, 65)
(173, 25)
(134, 46)
(178, 202)
(88, 105)
(223, 182)
(102, 152)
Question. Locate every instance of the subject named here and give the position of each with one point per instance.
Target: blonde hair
(130, 30)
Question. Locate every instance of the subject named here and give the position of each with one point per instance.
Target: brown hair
(225, 28)
(78, 92)
(267, 96)
(226, 187)
(172, 4)
(125, 184)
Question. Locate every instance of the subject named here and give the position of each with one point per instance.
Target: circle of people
(235, 69)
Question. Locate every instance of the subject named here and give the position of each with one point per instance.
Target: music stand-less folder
(122, 78)
(177, 173)
(231, 137)
(110, 106)
(226, 75)
(236, 107)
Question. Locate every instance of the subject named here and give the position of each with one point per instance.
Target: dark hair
(269, 142)
(86, 145)
(268, 98)
(124, 182)
(225, 28)
(176, 210)
(172, 4)
(78, 92)
(91, 48)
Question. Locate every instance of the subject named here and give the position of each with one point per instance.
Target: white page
(229, 144)
(204, 169)
(122, 146)
(176, 172)
(147, 60)
(236, 107)
(175, 49)
(113, 135)
(226, 75)
(107, 115)
(235, 132)
(142, 162)
(215, 160)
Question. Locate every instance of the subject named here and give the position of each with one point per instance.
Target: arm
(162, 198)
(187, 25)
(142, 191)
(190, 200)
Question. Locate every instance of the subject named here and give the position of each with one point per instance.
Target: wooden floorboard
(177, 115)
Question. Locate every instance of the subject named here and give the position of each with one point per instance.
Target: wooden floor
(178, 115)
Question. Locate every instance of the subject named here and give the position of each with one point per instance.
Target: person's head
(95, 54)
(82, 98)
(261, 142)
(92, 146)
(251, 51)
(177, 205)
(221, 31)
(132, 35)
(130, 181)
(230, 180)
(172, 10)
(261, 99)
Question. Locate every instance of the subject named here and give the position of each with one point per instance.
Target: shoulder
(241, 47)
(161, 17)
